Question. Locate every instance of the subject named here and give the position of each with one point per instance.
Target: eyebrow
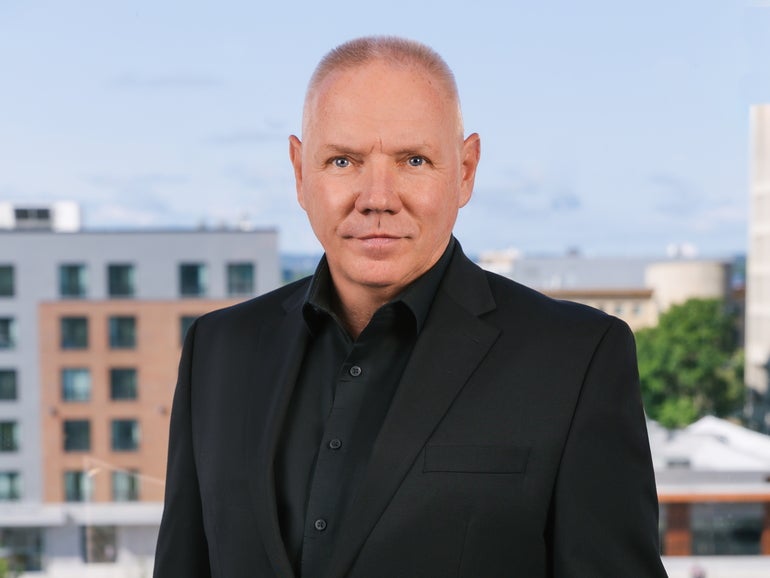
(346, 150)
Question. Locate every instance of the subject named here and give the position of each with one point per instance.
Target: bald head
(392, 50)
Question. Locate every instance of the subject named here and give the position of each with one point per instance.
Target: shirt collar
(417, 297)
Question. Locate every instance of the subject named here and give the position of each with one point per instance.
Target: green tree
(690, 364)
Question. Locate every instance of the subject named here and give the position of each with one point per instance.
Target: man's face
(382, 173)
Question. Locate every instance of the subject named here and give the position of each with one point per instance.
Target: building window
(185, 322)
(10, 486)
(74, 332)
(77, 435)
(8, 337)
(75, 384)
(193, 280)
(125, 486)
(120, 280)
(9, 436)
(99, 544)
(240, 279)
(6, 281)
(8, 385)
(123, 383)
(125, 435)
(122, 332)
(73, 280)
(78, 486)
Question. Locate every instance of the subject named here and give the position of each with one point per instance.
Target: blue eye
(341, 162)
(416, 161)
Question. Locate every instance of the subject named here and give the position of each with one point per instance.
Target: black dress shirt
(339, 402)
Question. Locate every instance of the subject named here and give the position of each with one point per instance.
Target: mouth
(375, 236)
(376, 241)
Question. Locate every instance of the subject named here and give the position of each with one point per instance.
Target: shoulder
(526, 307)
(514, 307)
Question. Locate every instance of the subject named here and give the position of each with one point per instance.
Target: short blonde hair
(394, 50)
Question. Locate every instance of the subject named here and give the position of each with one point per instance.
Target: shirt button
(335, 444)
(355, 371)
(320, 524)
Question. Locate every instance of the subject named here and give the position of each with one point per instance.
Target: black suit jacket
(515, 445)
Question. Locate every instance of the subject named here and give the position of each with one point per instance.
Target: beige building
(758, 269)
(636, 290)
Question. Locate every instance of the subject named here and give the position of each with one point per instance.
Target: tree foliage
(690, 364)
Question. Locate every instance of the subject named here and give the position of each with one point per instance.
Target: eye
(416, 161)
(341, 162)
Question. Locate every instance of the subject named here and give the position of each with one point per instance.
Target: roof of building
(709, 445)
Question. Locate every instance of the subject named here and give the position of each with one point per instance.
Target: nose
(378, 191)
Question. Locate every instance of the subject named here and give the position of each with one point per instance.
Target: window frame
(9, 338)
(201, 282)
(73, 280)
(72, 392)
(13, 483)
(114, 386)
(9, 436)
(236, 287)
(116, 435)
(132, 489)
(118, 335)
(70, 340)
(7, 288)
(81, 482)
(128, 285)
(67, 447)
(13, 381)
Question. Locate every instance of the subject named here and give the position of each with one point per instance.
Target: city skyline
(613, 129)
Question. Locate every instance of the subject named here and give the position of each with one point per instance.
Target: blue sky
(614, 127)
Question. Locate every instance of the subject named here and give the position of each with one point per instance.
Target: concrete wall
(758, 263)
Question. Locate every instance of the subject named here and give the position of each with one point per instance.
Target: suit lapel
(451, 345)
(280, 352)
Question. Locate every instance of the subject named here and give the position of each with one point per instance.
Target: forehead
(381, 92)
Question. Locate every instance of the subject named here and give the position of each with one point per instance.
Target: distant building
(91, 326)
(635, 289)
(713, 480)
(758, 271)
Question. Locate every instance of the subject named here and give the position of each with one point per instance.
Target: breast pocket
(476, 459)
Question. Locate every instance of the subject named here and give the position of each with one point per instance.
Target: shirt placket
(333, 469)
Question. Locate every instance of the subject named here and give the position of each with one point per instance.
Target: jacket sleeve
(182, 548)
(604, 517)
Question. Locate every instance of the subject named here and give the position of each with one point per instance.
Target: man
(403, 413)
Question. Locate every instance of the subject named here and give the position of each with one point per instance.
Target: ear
(295, 155)
(471, 153)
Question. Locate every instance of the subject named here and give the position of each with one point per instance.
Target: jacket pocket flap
(476, 459)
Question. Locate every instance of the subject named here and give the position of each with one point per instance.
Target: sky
(614, 128)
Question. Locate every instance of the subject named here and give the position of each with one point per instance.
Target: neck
(356, 307)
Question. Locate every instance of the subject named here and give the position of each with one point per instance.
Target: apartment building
(91, 326)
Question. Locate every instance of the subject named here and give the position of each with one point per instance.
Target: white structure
(758, 270)
(62, 217)
(710, 445)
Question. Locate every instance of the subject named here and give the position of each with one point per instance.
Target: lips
(377, 236)
(376, 242)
